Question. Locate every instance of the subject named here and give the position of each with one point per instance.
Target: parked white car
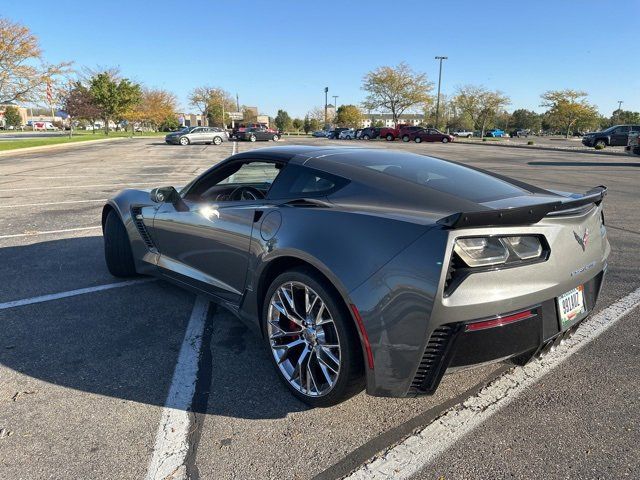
(347, 134)
(44, 126)
(463, 133)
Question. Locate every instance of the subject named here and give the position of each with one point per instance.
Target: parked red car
(391, 134)
(427, 135)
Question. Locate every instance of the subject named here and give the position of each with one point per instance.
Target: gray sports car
(371, 268)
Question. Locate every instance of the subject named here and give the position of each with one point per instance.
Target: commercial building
(387, 119)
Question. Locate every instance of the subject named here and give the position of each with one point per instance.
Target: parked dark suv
(370, 133)
(616, 136)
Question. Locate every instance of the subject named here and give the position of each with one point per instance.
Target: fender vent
(433, 363)
(136, 215)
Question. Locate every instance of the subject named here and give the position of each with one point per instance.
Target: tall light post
(326, 91)
(439, 82)
(335, 104)
(620, 102)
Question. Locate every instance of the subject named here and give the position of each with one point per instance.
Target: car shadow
(124, 342)
(584, 164)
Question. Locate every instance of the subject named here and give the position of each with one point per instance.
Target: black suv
(616, 136)
(370, 133)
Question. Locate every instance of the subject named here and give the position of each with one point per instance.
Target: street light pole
(620, 102)
(439, 82)
(335, 103)
(326, 91)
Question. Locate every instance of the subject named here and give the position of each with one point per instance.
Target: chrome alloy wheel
(303, 338)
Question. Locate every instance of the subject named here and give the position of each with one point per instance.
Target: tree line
(107, 95)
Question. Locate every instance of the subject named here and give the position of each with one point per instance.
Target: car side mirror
(164, 194)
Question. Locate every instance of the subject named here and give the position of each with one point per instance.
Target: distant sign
(235, 115)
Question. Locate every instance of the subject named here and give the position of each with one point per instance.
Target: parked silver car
(189, 135)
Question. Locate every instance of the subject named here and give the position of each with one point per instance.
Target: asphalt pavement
(84, 378)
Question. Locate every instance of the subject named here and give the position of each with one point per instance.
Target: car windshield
(439, 175)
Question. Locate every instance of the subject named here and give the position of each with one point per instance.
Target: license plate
(571, 306)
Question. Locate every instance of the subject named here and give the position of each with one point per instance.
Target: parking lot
(86, 362)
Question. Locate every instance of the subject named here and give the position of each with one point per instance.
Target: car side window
(624, 129)
(297, 181)
(219, 184)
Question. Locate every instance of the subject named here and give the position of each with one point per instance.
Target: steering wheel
(244, 192)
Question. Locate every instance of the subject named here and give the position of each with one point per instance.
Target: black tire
(405, 138)
(217, 140)
(184, 141)
(469, 136)
(275, 138)
(600, 141)
(389, 137)
(418, 140)
(117, 248)
(252, 138)
(365, 137)
(351, 379)
(445, 140)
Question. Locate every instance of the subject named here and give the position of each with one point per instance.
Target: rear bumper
(452, 347)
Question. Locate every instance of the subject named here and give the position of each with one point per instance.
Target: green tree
(297, 124)
(306, 126)
(395, 89)
(348, 116)
(12, 117)
(79, 104)
(625, 117)
(212, 102)
(114, 97)
(479, 104)
(378, 124)
(170, 123)
(523, 119)
(283, 121)
(568, 110)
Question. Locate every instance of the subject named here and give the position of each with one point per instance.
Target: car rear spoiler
(521, 215)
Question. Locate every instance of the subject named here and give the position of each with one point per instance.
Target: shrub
(484, 139)
(530, 142)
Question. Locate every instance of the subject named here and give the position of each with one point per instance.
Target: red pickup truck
(402, 129)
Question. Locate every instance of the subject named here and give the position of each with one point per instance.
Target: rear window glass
(298, 181)
(439, 175)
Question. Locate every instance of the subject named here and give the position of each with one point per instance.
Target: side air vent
(136, 215)
(454, 275)
(432, 365)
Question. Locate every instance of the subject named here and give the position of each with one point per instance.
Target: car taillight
(498, 321)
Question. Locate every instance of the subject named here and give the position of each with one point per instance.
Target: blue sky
(281, 54)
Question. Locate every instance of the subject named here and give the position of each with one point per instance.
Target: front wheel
(389, 138)
(252, 138)
(405, 138)
(312, 339)
(184, 141)
(418, 140)
(445, 140)
(117, 249)
(275, 138)
(365, 137)
(469, 136)
(600, 144)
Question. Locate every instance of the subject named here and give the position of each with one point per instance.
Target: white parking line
(49, 232)
(422, 448)
(53, 203)
(68, 187)
(172, 439)
(71, 293)
(235, 148)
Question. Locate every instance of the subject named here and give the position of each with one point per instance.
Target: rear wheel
(405, 138)
(117, 248)
(312, 339)
(252, 138)
(469, 136)
(389, 138)
(418, 140)
(445, 140)
(365, 137)
(184, 141)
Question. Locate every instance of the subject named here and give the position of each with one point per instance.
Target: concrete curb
(536, 147)
(39, 148)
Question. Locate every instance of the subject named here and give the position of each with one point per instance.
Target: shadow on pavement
(124, 342)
